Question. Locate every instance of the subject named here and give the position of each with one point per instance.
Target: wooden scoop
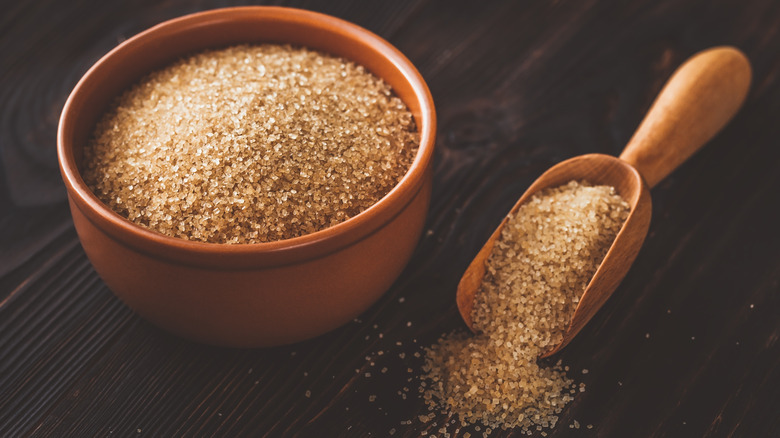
(699, 99)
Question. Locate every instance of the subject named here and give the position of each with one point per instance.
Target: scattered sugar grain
(250, 144)
(548, 252)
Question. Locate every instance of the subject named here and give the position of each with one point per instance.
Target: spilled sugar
(546, 255)
(250, 144)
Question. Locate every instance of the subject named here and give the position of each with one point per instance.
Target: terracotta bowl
(255, 294)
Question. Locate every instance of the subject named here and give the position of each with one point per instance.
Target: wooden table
(686, 347)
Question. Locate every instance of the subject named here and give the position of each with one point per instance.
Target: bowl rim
(308, 246)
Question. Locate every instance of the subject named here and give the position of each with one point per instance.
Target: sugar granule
(546, 255)
(250, 144)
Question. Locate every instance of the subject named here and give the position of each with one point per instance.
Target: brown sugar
(546, 255)
(250, 144)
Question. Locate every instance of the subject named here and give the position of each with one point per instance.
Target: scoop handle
(698, 101)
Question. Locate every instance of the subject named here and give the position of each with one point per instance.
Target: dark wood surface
(687, 346)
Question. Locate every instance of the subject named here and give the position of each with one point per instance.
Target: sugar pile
(250, 144)
(546, 255)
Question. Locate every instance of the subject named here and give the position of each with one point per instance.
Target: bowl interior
(164, 43)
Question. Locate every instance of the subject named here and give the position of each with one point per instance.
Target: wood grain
(686, 347)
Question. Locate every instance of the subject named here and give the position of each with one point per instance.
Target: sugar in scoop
(546, 255)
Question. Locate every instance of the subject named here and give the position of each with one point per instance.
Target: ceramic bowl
(254, 294)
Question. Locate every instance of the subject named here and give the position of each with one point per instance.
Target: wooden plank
(687, 346)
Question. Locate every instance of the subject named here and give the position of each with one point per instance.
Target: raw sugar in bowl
(248, 294)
